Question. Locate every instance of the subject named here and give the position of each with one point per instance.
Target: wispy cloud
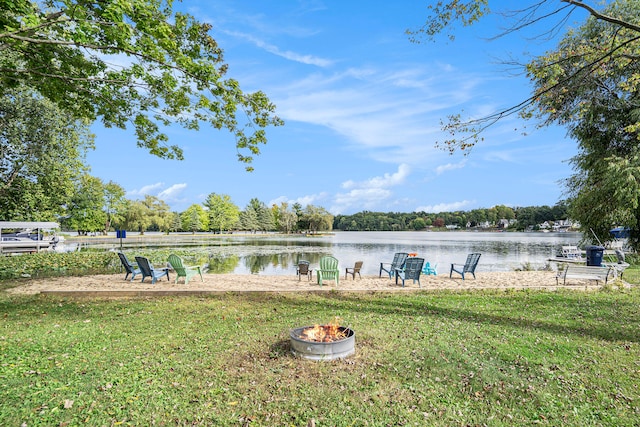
(369, 193)
(169, 195)
(386, 180)
(394, 114)
(362, 198)
(449, 167)
(172, 193)
(302, 200)
(287, 54)
(151, 189)
(444, 207)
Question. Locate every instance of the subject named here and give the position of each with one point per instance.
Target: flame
(324, 333)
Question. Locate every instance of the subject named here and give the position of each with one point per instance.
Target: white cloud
(292, 56)
(392, 114)
(449, 167)
(444, 207)
(370, 193)
(361, 198)
(387, 180)
(302, 200)
(171, 194)
(151, 189)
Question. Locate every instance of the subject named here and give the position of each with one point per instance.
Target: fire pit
(323, 342)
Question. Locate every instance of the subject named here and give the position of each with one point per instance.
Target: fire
(324, 333)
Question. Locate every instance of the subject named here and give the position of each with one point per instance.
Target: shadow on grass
(600, 316)
(605, 316)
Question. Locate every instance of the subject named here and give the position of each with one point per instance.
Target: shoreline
(115, 285)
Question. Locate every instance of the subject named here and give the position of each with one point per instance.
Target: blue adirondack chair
(147, 270)
(328, 270)
(411, 270)
(128, 267)
(430, 269)
(182, 270)
(468, 267)
(398, 261)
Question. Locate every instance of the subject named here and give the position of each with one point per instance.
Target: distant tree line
(517, 219)
(97, 207)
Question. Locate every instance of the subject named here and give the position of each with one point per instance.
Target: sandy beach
(114, 285)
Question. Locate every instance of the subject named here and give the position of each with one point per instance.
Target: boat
(26, 237)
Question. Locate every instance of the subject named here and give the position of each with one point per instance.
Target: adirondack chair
(147, 270)
(128, 267)
(468, 267)
(398, 261)
(353, 271)
(411, 270)
(328, 270)
(430, 269)
(304, 270)
(182, 270)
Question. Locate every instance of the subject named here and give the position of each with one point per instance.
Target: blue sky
(362, 107)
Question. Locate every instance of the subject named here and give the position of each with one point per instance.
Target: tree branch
(487, 121)
(602, 16)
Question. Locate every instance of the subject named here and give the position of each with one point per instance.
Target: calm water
(279, 255)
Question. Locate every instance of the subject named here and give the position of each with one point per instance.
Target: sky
(362, 107)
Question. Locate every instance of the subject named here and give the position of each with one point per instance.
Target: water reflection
(219, 265)
(279, 255)
(500, 251)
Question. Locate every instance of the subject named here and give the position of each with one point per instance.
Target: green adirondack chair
(184, 271)
(328, 270)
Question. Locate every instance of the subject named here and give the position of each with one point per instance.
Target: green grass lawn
(443, 359)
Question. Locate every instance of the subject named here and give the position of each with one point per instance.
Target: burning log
(323, 342)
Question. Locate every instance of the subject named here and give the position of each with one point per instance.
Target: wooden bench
(574, 271)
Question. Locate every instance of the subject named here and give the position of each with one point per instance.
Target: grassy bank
(514, 358)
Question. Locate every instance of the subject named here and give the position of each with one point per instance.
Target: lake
(278, 255)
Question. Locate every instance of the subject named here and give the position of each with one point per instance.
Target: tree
(318, 218)
(602, 112)
(136, 217)
(195, 218)
(223, 213)
(84, 212)
(41, 156)
(465, 133)
(176, 222)
(418, 224)
(159, 213)
(132, 63)
(114, 204)
(287, 218)
(301, 224)
(258, 216)
(248, 220)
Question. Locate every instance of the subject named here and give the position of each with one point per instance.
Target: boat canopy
(29, 244)
(23, 224)
(620, 232)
